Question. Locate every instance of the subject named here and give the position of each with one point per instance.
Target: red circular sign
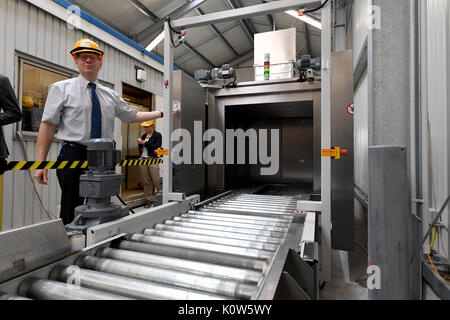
(351, 109)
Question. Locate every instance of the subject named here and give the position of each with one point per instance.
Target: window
(35, 81)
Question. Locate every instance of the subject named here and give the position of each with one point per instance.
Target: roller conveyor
(203, 253)
(220, 234)
(195, 267)
(211, 239)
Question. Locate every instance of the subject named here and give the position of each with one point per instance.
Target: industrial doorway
(132, 190)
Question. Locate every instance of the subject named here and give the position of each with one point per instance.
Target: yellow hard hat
(86, 45)
(148, 123)
(27, 101)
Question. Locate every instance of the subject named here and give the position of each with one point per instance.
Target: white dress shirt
(69, 105)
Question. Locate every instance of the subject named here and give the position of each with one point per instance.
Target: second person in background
(148, 144)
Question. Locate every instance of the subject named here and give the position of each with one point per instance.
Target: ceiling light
(155, 42)
(305, 18)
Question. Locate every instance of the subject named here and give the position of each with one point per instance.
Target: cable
(431, 227)
(442, 243)
(433, 241)
(173, 30)
(362, 248)
(123, 202)
(442, 275)
(317, 9)
(44, 212)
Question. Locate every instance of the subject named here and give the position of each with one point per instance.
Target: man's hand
(140, 141)
(41, 176)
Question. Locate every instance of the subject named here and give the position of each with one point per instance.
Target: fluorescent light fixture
(305, 18)
(155, 42)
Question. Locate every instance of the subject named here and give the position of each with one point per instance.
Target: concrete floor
(349, 269)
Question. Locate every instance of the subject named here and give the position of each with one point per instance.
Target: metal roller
(208, 269)
(261, 201)
(183, 279)
(248, 208)
(12, 297)
(257, 205)
(242, 216)
(224, 228)
(211, 239)
(261, 196)
(254, 222)
(231, 224)
(196, 255)
(221, 234)
(133, 288)
(243, 210)
(246, 252)
(43, 289)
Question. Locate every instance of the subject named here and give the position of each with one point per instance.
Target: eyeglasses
(85, 58)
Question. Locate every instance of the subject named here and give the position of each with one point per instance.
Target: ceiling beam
(243, 13)
(243, 23)
(245, 57)
(150, 33)
(219, 34)
(191, 48)
(307, 38)
(143, 9)
(270, 18)
(237, 5)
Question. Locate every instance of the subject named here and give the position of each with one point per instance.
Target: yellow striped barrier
(34, 165)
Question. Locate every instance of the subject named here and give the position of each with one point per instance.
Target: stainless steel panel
(388, 238)
(281, 45)
(297, 150)
(28, 248)
(189, 178)
(342, 182)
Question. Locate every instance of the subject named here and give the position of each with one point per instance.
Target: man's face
(89, 64)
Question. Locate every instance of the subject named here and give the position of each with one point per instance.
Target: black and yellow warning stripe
(135, 163)
(34, 165)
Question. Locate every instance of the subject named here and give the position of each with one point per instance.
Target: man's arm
(146, 116)
(152, 115)
(8, 103)
(44, 140)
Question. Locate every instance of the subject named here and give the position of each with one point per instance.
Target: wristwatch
(162, 113)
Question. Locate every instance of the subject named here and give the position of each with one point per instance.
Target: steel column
(167, 128)
(325, 261)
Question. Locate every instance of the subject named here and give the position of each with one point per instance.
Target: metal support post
(168, 96)
(325, 261)
(339, 27)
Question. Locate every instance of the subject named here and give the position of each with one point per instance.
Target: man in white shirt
(83, 109)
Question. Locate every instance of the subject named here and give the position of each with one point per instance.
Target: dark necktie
(96, 121)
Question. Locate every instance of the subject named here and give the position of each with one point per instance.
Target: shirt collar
(85, 82)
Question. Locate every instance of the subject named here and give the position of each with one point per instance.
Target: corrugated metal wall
(439, 104)
(357, 35)
(27, 29)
